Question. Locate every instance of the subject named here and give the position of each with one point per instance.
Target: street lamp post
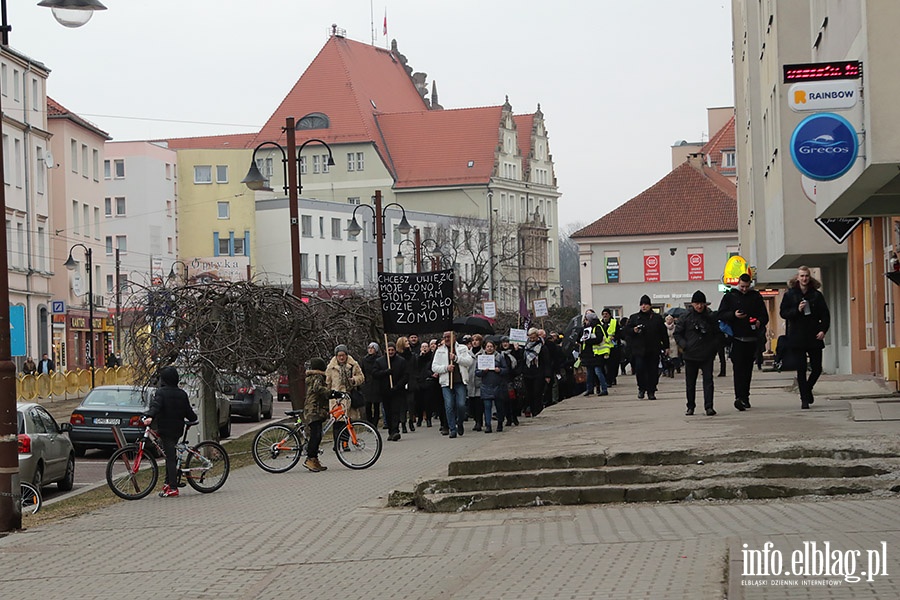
(420, 245)
(292, 187)
(172, 273)
(71, 264)
(378, 215)
(10, 509)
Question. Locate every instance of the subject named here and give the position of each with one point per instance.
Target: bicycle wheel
(129, 480)
(206, 473)
(277, 448)
(364, 452)
(31, 499)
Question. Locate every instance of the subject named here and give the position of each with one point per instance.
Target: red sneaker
(168, 492)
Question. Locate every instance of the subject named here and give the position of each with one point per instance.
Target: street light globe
(72, 13)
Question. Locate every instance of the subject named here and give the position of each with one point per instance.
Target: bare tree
(569, 273)
(238, 327)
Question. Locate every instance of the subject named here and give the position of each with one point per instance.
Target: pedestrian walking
(593, 355)
(673, 357)
(494, 386)
(744, 310)
(392, 374)
(474, 406)
(647, 339)
(698, 335)
(515, 357)
(29, 367)
(536, 372)
(807, 320)
(45, 365)
(611, 334)
(428, 390)
(452, 362)
(370, 388)
(405, 351)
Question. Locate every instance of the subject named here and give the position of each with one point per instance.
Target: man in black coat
(697, 334)
(647, 339)
(169, 407)
(392, 378)
(745, 312)
(808, 319)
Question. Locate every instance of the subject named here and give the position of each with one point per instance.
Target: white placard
(486, 362)
(518, 336)
(540, 307)
(490, 309)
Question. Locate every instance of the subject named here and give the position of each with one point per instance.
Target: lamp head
(399, 259)
(353, 229)
(72, 13)
(404, 227)
(330, 158)
(436, 252)
(254, 179)
(71, 264)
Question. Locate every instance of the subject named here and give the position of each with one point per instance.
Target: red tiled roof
(55, 110)
(722, 140)
(687, 200)
(210, 142)
(349, 82)
(434, 147)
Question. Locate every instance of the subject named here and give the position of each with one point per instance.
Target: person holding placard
(493, 370)
(452, 362)
(515, 358)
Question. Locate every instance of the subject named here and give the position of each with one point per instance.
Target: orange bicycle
(278, 448)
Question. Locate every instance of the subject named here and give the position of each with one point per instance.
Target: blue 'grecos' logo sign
(824, 146)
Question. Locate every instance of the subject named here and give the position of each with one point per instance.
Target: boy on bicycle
(170, 407)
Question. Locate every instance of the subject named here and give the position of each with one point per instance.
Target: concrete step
(669, 491)
(670, 457)
(823, 468)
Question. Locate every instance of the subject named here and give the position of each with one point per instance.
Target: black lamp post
(419, 245)
(378, 214)
(10, 509)
(292, 187)
(172, 273)
(71, 264)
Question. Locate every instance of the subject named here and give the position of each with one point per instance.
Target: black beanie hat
(645, 299)
(698, 297)
(317, 364)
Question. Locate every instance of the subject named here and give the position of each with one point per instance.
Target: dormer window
(313, 121)
(728, 159)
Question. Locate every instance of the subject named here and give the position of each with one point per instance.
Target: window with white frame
(221, 173)
(304, 265)
(360, 161)
(224, 246)
(109, 244)
(728, 159)
(120, 206)
(107, 206)
(238, 246)
(327, 268)
(107, 169)
(19, 171)
(17, 92)
(351, 161)
(41, 248)
(202, 174)
(168, 171)
(41, 170)
(303, 165)
(322, 227)
(119, 165)
(95, 165)
(76, 226)
(96, 223)
(73, 151)
(324, 163)
(353, 200)
(316, 167)
(306, 225)
(224, 210)
(84, 161)
(335, 229)
(110, 284)
(122, 244)
(340, 267)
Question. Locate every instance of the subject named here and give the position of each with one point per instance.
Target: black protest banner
(416, 302)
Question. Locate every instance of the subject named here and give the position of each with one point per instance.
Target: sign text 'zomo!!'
(416, 302)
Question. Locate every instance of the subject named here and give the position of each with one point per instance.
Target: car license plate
(106, 421)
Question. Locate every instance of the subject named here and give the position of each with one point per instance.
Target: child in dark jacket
(170, 408)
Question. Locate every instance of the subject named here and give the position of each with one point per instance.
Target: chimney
(697, 160)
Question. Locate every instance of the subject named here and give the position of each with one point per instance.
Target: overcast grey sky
(618, 81)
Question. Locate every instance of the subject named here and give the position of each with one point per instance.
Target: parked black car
(249, 397)
(122, 406)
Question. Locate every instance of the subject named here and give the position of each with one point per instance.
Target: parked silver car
(45, 452)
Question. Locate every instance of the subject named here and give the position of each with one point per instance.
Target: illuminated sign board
(845, 69)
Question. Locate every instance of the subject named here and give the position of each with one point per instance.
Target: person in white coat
(451, 363)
